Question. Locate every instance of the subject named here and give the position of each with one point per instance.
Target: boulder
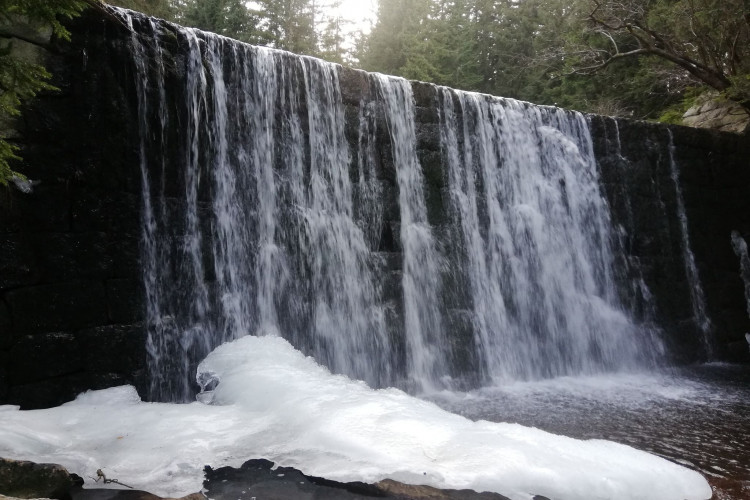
(23, 479)
(711, 111)
(421, 492)
(260, 479)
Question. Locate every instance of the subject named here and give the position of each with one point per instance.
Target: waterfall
(697, 298)
(421, 279)
(275, 206)
(739, 245)
(537, 240)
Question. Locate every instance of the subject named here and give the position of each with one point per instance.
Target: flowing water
(700, 317)
(273, 218)
(537, 239)
(696, 416)
(270, 221)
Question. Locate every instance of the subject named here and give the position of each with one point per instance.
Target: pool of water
(697, 416)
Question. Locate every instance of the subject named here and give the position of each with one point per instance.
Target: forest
(644, 59)
(636, 58)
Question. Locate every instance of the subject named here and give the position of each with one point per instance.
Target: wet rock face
(22, 479)
(70, 287)
(259, 479)
(635, 162)
(71, 294)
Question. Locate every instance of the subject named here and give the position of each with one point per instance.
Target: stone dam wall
(71, 293)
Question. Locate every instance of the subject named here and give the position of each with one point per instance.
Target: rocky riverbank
(255, 480)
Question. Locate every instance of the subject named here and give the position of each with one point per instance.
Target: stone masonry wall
(714, 174)
(70, 280)
(69, 275)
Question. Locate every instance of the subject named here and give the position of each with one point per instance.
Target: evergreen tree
(401, 42)
(22, 22)
(230, 18)
(289, 25)
(157, 8)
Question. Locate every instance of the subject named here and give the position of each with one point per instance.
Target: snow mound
(273, 402)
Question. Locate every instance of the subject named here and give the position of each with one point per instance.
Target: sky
(360, 12)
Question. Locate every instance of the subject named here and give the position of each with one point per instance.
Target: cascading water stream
(421, 279)
(270, 218)
(537, 240)
(739, 245)
(697, 298)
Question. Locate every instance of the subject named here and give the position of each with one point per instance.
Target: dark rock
(125, 300)
(421, 492)
(425, 94)
(45, 209)
(3, 375)
(63, 306)
(76, 256)
(18, 267)
(6, 327)
(428, 136)
(354, 84)
(113, 348)
(258, 478)
(426, 115)
(23, 479)
(115, 494)
(47, 355)
(95, 210)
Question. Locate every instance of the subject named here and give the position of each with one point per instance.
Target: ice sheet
(272, 402)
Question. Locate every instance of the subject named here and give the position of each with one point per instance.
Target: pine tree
(22, 22)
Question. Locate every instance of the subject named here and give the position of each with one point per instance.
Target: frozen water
(273, 402)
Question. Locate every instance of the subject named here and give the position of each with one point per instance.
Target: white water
(537, 241)
(421, 279)
(261, 224)
(697, 298)
(273, 402)
(263, 221)
(739, 245)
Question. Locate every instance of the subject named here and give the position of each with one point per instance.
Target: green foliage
(157, 8)
(42, 13)
(673, 114)
(288, 25)
(21, 79)
(568, 53)
(230, 18)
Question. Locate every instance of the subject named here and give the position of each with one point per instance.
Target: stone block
(72, 256)
(104, 211)
(4, 384)
(6, 327)
(59, 307)
(428, 136)
(126, 254)
(46, 208)
(125, 301)
(426, 114)
(113, 348)
(18, 265)
(425, 94)
(38, 357)
(459, 333)
(392, 287)
(354, 85)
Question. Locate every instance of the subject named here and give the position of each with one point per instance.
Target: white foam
(274, 403)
